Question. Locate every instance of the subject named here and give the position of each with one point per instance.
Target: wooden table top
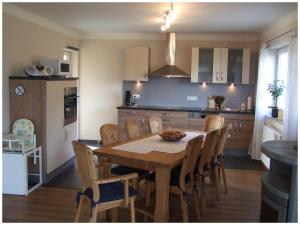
(147, 161)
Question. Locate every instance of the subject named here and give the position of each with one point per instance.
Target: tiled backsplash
(160, 91)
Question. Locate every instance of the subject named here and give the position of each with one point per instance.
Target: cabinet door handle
(240, 127)
(221, 76)
(217, 76)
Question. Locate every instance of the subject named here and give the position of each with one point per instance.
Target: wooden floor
(50, 204)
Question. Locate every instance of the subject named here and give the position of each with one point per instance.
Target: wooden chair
(181, 179)
(133, 128)
(218, 159)
(155, 124)
(110, 134)
(205, 169)
(213, 122)
(103, 194)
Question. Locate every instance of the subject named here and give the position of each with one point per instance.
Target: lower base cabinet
(240, 134)
(239, 137)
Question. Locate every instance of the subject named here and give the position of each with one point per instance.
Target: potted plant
(276, 89)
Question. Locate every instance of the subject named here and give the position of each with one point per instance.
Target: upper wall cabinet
(220, 65)
(202, 65)
(136, 64)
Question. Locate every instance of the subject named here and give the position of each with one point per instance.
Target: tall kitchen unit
(51, 104)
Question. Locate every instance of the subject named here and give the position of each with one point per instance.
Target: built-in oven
(70, 105)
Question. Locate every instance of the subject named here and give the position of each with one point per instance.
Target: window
(282, 70)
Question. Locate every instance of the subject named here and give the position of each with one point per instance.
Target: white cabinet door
(217, 65)
(57, 153)
(246, 65)
(195, 65)
(223, 65)
(136, 64)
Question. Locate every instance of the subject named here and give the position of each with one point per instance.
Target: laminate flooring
(55, 204)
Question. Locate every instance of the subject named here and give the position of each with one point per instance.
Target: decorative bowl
(172, 135)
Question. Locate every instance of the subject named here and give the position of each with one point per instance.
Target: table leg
(161, 213)
(104, 166)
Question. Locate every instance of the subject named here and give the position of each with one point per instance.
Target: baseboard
(49, 176)
(91, 142)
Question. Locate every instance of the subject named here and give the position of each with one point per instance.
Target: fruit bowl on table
(172, 135)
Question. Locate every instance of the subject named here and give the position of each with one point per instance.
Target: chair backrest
(110, 134)
(133, 128)
(87, 169)
(213, 122)
(208, 151)
(155, 124)
(222, 137)
(191, 155)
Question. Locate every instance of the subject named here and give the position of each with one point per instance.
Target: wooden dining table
(160, 162)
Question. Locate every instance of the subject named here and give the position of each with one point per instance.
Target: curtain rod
(281, 35)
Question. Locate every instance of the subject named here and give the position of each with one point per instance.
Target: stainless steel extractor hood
(170, 70)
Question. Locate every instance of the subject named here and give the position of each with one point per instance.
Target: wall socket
(192, 98)
(136, 96)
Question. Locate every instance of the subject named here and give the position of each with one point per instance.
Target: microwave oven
(60, 67)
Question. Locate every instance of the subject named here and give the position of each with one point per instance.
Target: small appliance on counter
(60, 67)
(211, 102)
(38, 70)
(128, 98)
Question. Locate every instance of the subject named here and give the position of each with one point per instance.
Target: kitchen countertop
(48, 78)
(183, 109)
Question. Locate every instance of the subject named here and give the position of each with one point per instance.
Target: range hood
(170, 70)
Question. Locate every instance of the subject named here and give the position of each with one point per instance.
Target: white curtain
(290, 113)
(266, 73)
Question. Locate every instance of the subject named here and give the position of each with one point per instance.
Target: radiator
(269, 134)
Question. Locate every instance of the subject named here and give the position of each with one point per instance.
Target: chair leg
(203, 196)
(224, 177)
(213, 191)
(94, 214)
(148, 197)
(184, 208)
(219, 174)
(217, 184)
(132, 210)
(78, 212)
(135, 184)
(114, 215)
(196, 203)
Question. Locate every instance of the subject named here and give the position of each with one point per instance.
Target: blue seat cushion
(123, 170)
(174, 179)
(108, 192)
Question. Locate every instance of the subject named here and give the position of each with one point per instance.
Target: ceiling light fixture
(168, 18)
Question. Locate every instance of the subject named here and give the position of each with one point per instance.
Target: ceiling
(147, 17)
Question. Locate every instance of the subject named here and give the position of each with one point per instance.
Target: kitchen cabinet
(43, 103)
(136, 64)
(138, 115)
(220, 65)
(241, 131)
(238, 66)
(170, 119)
(202, 65)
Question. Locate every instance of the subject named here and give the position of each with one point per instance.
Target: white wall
(25, 43)
(101, 77)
